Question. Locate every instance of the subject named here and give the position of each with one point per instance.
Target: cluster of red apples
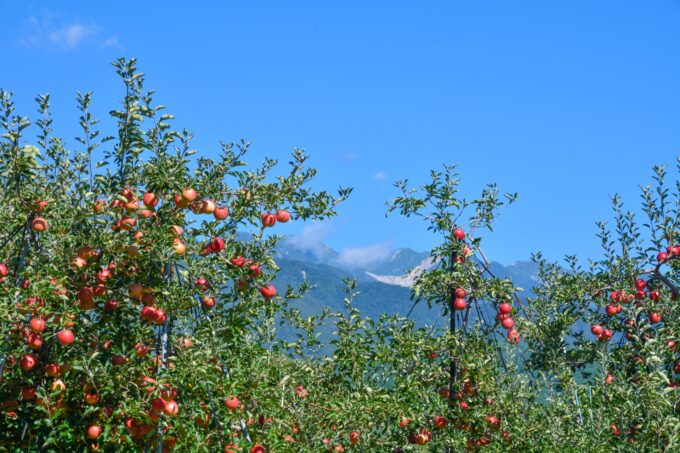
(638, 295)
(460, 303)
(93, 285)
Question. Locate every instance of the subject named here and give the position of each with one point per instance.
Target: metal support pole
(452, 330)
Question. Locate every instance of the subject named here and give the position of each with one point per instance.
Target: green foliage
(169, 325)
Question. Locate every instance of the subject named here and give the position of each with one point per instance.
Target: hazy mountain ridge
(383, 287)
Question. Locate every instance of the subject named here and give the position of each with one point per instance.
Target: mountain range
(383, 286)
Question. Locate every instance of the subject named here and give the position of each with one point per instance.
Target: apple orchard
(137, 316)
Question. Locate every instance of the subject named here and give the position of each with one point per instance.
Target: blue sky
(563, 102)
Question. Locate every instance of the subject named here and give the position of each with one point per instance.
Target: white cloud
(70, 36)
(311, 238)
(46, 31)
(379, 176)
(112, 42)
(358, 257)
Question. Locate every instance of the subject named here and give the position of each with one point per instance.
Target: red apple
(86, 298)
(147, 313)
(57, 386)
(189, 195)
(301, 391)
(52, 369)
(65, 337)
(184, 342)
(159, 316)
(110, 305)
(91, 398)
(208, 302)
(221, 213)
(207, 207)
(217, 245)
(117, 359)
(99, 290)
(150, 200)
(179, 247)
(268, 219)
(28, 393)
(354, 438)
(611, 309)
(180, 202)
(127, 223)
(255, 270)
(78, 262)
(459, 234)
(28, 362)
(37, 325)
(94, 431)
(103, 275)
(171, 408)
(282, 216)
(141, 350)
(232, 403)
(505, 308)
(202, 284)
(492, 421)
(606, 335)
(39, 224)
(440, 421)
(268, 291)
(135, 290)
(459, 303)
(508, 323)
(238, 261)
(34, 340)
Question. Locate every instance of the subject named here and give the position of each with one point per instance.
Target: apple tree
(130, 301)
